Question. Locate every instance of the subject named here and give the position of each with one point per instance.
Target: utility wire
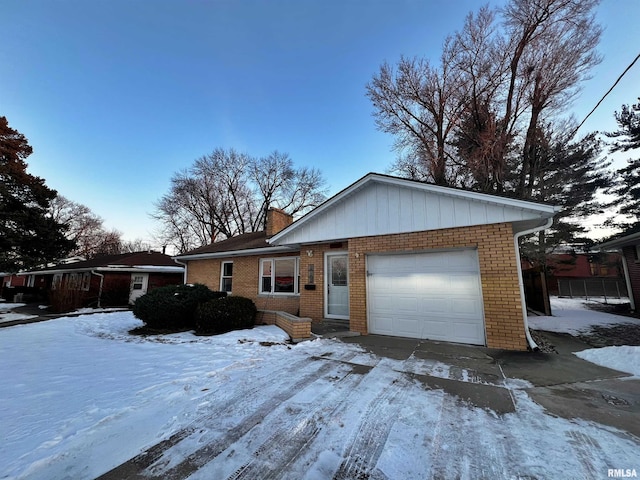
(605, 95)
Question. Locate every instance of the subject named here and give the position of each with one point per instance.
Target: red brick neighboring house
(109, 280)
(629, 245)
(577, 273)
(388, 256)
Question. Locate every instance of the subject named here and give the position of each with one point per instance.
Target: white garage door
(435, 295)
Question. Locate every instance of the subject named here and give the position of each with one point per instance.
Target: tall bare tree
(86, 230)
(465, 121)
(227, 193)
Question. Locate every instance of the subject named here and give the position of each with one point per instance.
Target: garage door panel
(434, 305)
(406, 305)
(429, 295)
(403, 284)
(407, 327)
(382, 303)
(382, 325)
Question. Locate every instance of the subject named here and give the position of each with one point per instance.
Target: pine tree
(627, 186)
(570, 176)
(28, 235)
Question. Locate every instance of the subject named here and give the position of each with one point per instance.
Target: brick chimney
(277, 220)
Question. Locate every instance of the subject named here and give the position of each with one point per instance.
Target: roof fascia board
(235, 253)
(622, 241)
(110, 268)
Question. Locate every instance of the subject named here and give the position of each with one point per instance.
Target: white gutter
(93, 272)
(532, 344)
(234, 253)
(184, 274)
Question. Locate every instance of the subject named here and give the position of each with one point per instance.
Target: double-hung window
(280, 275)
(226, 277)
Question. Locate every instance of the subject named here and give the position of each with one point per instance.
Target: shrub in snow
(225, 314)
(173, 307)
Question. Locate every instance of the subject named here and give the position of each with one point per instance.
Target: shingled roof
(148, 259)
(246, 241)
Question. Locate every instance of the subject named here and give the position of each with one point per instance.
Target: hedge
(225, 314)
(173, 307)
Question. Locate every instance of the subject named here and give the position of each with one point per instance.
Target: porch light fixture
(309, 253)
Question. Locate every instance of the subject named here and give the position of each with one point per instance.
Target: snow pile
(573, 316)
(624, 358)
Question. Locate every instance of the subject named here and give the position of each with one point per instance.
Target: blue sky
(115, 96)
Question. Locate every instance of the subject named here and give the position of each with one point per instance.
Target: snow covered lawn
(79, 396)
(573, 316)
(6, 315)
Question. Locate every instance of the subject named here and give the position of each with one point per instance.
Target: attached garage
(428, 295)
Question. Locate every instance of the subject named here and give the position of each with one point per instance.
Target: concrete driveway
(323, 393)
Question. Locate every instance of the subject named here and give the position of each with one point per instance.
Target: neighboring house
(108, 279)
(585, 274)
(629, 245)
(388, 256)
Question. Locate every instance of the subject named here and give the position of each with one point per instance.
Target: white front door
(337, 285)
(139, 284)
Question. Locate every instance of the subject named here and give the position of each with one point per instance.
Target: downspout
(93, 272)
(532, 344)
(184, 275)
(627, 280)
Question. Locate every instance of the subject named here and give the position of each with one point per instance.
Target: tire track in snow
(212, 449)
(245, 399)
(285, 446)
(585, 447)
(367, 442)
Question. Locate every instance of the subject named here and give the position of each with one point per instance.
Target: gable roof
(136, 261)
(254, 243)
(383, 205)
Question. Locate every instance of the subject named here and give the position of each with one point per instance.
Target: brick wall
(246, 271)
(498, 272)
(633, 265)
(277, 220)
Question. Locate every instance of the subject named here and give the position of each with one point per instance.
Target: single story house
(108, 280)
(388, 256)
(629, 246)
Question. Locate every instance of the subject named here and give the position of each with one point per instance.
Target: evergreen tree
(28, 235)
(627, 185)
(570, 176)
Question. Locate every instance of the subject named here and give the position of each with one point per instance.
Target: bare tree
(227, 193)
(419, 104)
(467, 119)
(85, 228)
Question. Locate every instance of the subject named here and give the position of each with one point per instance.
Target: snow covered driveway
(79, 396)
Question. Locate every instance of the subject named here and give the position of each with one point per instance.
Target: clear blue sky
(115, 96)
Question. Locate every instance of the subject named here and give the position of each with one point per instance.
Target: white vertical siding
(385, 208)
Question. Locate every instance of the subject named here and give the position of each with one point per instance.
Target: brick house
(107, 280)
(388, 256)
(629, 246)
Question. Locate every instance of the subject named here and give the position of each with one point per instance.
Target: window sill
(281, 295)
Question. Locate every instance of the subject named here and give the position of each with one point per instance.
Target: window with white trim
(226, 277)
(280, 275)
(57, 281)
